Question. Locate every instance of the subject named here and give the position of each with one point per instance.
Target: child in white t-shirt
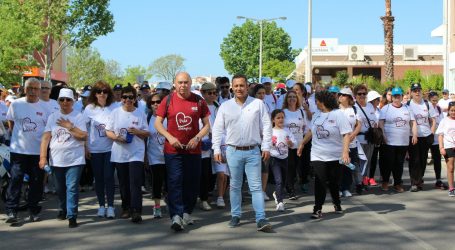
(446, 132)
(282, 140)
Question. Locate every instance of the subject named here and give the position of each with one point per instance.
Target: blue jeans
(103, 171)
(67, 183)
(279, 168)
(183, 180)
(248, 161)
(24, 164)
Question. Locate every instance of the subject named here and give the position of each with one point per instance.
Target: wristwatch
(197, 138)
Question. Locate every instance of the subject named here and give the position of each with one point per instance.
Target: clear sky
(148, 29)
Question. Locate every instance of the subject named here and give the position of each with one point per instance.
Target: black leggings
(418, 155)
(327, 173)
(158, 180)
(206, 176)
(436, 155)
(374, 161)
(393, 163)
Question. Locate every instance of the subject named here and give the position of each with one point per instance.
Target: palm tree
(388, 40)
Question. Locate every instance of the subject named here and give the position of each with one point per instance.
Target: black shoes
(11, 217)
(61, 215)
(136, 217)
(264, 226)
(72, 223)
(338, 209)
(235, 221)
(316, 215)
(33, 218)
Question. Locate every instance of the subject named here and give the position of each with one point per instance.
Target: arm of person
(308, 113)
(75, 131)
(381, 125)
(10, 126)
(305, 140)
(357, 128)
(117, 138)
(433, 125)
(139, 133)
(414, 132)
(163, 131)
(266, 133)
(345, 154)
(204, 130)
(45, 139)
(217, 134)
(441, 144)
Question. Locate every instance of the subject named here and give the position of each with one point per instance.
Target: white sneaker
(110, 213)
(220, 202)
(280, 207)
(266, 197)
(341, 194)
(205, 206)
(46, 190)
(346, 193)
(177, 223)
(101, 212)
(274, 197)
(187, 220)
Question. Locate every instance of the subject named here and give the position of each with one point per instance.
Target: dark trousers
(130, 177)
(87, 174)
(279, 169)
(393, 163)
(294, 163)
(349, 175)
(206, 175)
(158, 180)
(418, 155)
(24, 164)
(183, 174)
(374, 161)
(103, 171)
(326, 174)
(305, 166)
(436, 155)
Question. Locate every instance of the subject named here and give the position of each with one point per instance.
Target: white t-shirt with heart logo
(119, 123)
(29, 122)
(280, 138)
(155, 143)
(396, 124)
(420, 112)
(296, 124)
(65, 150)
(51, 106)
(447, 129)
(372, 115)
(328, 130)
(97, 119)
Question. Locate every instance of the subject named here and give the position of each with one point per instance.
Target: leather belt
(243, 148)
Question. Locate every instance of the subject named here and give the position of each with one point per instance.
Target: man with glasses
(426, 126)
(444, 102)
(27, 118)
(182, 149)
(49, 104)
(222, 83)
(117, 91)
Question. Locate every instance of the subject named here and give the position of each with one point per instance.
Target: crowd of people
(206, 140)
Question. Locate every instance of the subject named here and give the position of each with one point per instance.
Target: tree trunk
(388, 41)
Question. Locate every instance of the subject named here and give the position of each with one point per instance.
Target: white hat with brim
(66, 93)
(347, 91)
(372, 95)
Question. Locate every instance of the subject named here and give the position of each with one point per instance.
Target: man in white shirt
(222, 83)
(27, 118)
(444, 102)
(270, 98)
(244, 119)
(50, 105)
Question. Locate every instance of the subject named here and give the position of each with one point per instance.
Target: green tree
(113, 73)
(167, 66)
(278, 70)
(240, 49)
(341, 78)
(85, 66)
(58, 24)
(132, 72)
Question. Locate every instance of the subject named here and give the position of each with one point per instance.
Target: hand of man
(176, 143)
(192, 143)
(218, 158)
(265, 155)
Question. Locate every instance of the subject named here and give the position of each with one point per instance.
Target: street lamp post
(260, 21)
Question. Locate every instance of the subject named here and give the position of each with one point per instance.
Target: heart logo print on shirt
(321, 132)
(399, 122)
(101, 128)
(183, 120)
(28, 125)
(451, 136)
(294, 128)
(160, 139)
(123, 132)
(282, 148)
(420, 119)
(63, 136)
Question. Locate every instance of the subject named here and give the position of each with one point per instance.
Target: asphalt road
(375, 220)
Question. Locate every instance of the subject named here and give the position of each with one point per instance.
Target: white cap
(347, 91)
(290, 83)
(67, 93)
(85, 93)
(164, 85)
(373, 95)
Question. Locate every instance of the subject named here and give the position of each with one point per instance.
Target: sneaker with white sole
(205, 206)
(266, 197)
(187, 220)
(452, 193)
(101, 212)
(157, 212)
(274, 197)
(177, 223)
(110, 214)
(346, 193)
(220, 202)
(280, 207)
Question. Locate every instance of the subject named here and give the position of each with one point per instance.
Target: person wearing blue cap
(444, 102)
(270, 98)
(426, 126)
(395, 119)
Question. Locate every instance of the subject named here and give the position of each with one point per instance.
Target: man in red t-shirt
(182, 149)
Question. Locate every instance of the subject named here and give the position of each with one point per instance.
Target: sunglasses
(63, 99)
(345, 95)
(131, 97)
(155, 102)
(211, 93)
(224, 87)
(102, 91)
(451, 104)
(362, 93)
(45, 88)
